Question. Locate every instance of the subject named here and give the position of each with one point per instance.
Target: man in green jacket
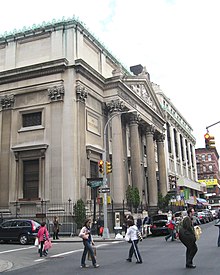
(188, 238)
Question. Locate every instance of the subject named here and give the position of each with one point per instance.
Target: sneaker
(128, 260)
(84, 266)
(139, 262)
(96, 265)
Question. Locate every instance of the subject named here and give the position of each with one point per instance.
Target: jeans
(87, 248)
(171, 234)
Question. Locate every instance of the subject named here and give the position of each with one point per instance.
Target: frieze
(56, 93)
(140, 90)
(127, 98)
(7, 102)
(81, 92)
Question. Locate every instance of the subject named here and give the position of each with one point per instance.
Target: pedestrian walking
(139, 223)
(218, 225)
(43, 235)
(85, 234)
(56, 228)
(131, 237)
(171, 227)
(188, 238)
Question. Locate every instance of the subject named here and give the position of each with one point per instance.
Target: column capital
(7, 102)
(160, 137)
(134, 118)
(115, 106)
(56, 93)
(150, 129)
(81, 92)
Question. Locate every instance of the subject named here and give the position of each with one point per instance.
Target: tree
(80, 213)
(163, 202)
(136, 198)
(129, 196)
(132, 197)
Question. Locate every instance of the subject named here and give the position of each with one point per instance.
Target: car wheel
(23, 239)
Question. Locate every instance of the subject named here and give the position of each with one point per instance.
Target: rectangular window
(203, 157)
(31, 179)
(209, 157)
(32, 119)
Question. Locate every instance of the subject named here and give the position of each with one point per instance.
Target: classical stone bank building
(58, 88)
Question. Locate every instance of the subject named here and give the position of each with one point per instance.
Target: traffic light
(101, 167)
(108, 167)
(209, 141)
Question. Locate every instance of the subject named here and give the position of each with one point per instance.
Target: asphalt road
(159, 257)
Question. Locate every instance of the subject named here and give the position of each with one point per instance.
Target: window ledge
(31, 128)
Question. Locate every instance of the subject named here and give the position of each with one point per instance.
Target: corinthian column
(161, 164)
(151, 171)
(118, 163)
(81, 94)
(136, 171)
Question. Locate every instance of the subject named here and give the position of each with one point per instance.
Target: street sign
(104, 190)
(94, 182)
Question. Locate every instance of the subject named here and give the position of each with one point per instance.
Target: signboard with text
(94, 182)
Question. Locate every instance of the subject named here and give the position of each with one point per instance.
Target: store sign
(209, 182)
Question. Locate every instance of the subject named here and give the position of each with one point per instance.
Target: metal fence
(45, 211)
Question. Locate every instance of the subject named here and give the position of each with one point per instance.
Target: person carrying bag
(42, 235)
(86, 236)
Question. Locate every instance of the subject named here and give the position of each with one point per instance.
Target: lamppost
(105, 212)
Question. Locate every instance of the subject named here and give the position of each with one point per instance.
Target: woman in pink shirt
(42, 235)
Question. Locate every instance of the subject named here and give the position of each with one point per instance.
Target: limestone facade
(58, 88)
(180, 154)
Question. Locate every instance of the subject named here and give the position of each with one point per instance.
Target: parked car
(159, 225)
(196, 219)
(21, 230)
(202, 217)
(179, 215)
(208, 214)
(214, 213)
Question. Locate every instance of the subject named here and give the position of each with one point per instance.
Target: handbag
(94, 251)
(217, 223)
(198, 232)
(139, 236)
(36, 242)
(47, 244)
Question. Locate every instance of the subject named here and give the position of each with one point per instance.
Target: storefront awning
(185, 182)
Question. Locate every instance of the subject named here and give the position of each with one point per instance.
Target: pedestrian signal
(101, 167)
(209, 141)
(108, 167)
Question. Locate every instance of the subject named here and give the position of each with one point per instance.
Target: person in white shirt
(131, 237)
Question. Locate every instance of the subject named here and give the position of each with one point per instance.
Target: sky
(178, 41)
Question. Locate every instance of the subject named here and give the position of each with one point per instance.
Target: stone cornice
(84, 69)
(32, 71)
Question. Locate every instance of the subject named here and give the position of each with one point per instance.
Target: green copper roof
(52, 25)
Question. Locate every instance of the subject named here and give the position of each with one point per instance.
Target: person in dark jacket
(218, 225)
(188, 238)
